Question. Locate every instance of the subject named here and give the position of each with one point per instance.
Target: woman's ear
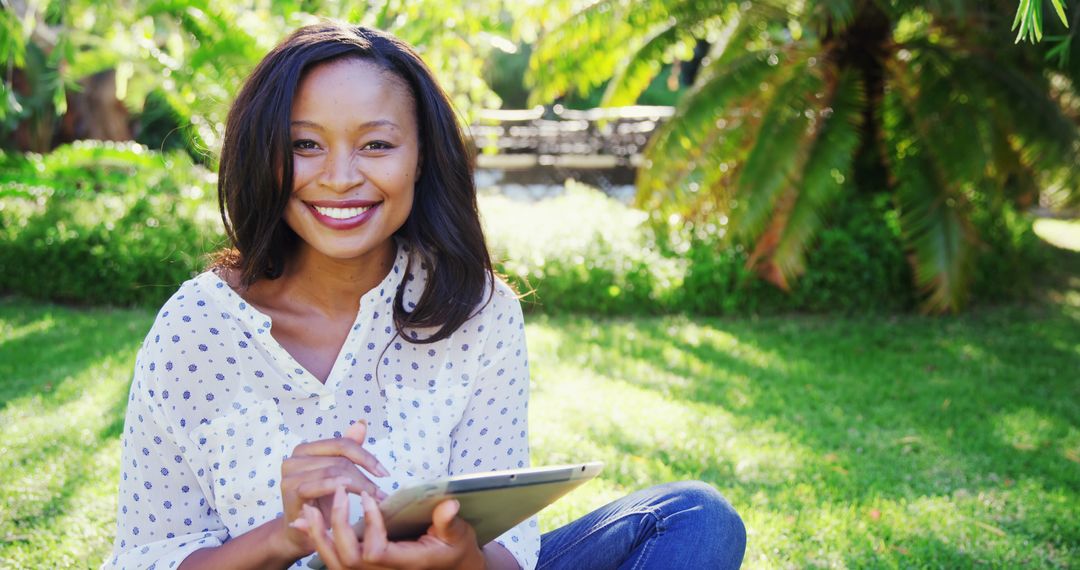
(419, 165)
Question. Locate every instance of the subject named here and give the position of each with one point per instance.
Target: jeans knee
(714, 513)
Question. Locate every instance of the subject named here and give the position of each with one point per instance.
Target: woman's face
(355, 159)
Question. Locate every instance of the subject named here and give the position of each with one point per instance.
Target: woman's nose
(341, 172)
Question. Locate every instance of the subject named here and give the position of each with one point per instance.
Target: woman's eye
(305, 144)
(378, 145)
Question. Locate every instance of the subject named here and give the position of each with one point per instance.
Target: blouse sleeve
(163, 514)
(493, 432)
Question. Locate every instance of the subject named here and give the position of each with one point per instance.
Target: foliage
(856, 266)
(119, 224)
(185, 59)
(580, 252)
(796, 99)
(104, 224)
(1029, 19)
(843, 442)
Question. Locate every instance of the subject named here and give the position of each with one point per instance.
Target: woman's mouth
(343, 215)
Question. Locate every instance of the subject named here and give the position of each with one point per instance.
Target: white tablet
(491, 502)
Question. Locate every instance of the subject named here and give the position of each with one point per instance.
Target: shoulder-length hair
(255, 177)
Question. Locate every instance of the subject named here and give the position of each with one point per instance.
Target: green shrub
(1009, 255)
(117, 224)
(127, 232)
(856, 264)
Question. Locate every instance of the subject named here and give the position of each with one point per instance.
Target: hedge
(107, 223)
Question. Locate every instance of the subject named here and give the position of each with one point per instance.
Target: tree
(187, 58)
(800, 105)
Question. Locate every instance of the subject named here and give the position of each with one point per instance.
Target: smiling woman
(353, 174)
(353, 340)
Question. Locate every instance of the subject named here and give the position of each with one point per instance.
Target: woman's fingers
(342, 447)
(445, 525)
(375, 541)
(357, 431)
(319, 535)
(348, 547)
(320, 482)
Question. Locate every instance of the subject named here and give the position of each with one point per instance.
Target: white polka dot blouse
(216, 404)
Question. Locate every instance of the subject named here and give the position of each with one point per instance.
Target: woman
(352, 341)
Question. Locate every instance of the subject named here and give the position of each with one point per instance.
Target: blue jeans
(677, 525)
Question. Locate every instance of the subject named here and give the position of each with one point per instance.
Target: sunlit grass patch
(888, 442)
(63, 384)
(843, 442)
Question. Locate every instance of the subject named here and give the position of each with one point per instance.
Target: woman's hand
(315, 470)
(450, 542)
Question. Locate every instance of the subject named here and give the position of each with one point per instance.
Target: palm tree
(800, 105)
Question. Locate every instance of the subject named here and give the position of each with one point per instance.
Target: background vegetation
(833, 168)
(923, 116)
(95, 223)
(864, 441)
(797, 107)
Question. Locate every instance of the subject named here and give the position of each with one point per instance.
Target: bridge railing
(601, 138)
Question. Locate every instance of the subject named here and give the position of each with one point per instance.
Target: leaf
(634, 75)
(589, 46)
(827, 169)
(694, 132)
(934, 228)
(1059, 7)
(769, 166)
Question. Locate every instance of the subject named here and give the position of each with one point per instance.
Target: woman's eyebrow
(361, 127)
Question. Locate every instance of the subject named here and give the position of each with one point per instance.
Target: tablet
(491, 502)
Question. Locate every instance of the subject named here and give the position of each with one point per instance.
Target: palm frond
(830, 15)
(703, 115)
(933, 220)
(771, 164)
(634, 75)
(828, 167)
(950, 114)
(586, 49)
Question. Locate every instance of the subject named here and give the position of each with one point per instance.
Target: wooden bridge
(547, 145)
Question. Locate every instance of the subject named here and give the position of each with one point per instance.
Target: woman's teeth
(342, 213)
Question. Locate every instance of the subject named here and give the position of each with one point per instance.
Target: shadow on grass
(893, 407)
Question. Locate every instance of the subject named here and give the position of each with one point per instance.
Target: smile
(343, 215)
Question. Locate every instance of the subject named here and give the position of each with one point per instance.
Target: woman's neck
(313, 282)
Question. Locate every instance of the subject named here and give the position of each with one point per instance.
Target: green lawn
(844, 442)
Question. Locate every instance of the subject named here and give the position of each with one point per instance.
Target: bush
(125, 232)
(117, 224)
(1009, 256)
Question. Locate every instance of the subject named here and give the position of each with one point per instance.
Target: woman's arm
(163, 512)
(264, 546)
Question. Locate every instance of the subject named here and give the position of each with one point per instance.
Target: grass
(844, 442)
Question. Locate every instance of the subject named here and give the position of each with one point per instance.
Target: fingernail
(381, 495)
(299, 524)
(381, 471)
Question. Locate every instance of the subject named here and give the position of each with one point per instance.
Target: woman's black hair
(255, 177)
